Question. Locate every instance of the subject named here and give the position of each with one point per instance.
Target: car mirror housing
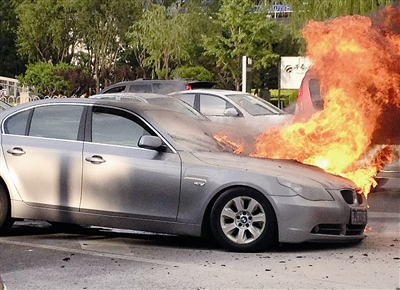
(231, 112)
(150, 142)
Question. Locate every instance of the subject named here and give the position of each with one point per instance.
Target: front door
(121, 179)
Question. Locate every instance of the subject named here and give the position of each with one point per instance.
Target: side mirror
(150, 142)
(231, 112)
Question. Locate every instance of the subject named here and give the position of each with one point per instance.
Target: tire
(243, 220)
(6, 221)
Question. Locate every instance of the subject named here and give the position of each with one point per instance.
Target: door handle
(95, 159)
(16, 151)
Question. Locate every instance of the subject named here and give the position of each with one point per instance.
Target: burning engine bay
(357, 61)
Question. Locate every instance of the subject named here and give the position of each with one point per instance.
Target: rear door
(44, 155)
(121, 179)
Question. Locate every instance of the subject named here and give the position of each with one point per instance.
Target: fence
(13, 93)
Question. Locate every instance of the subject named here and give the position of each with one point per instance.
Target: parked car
(133, 165)
(309, 98)
(234, 107)
(155, 99)
(309, 101)
(155, 86)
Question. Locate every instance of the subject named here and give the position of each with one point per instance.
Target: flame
(237, 148)
(357, 61)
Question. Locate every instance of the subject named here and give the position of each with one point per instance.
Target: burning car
(310, 101)
(133, 165)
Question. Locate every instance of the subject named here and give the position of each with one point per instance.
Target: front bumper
(301, 220)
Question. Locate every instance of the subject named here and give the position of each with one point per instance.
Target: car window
(212, 105)
(255, 106)
(140, 88)
(56, 121)
(316, 94)
(188, 98)
(166, 88)
(115, 128)
(16, 124)
(118, 89)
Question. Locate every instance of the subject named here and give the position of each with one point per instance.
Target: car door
(121, 179)
(44, 156)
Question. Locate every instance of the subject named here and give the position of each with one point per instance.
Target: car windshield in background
(188, 133)
(254, 105)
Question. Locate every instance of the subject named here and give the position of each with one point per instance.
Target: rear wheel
(243, 220)
(6, 221)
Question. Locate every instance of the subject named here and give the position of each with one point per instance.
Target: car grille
(338, 229)
(351, 196)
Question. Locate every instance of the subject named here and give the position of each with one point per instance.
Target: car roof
(213, 91)
(129, 95)
(136, 107)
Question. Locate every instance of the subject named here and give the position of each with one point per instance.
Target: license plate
(358, 217)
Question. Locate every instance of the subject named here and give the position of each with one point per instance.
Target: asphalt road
(36, 255)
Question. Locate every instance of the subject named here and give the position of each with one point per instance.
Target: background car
(155, 86)
(155, 99)
(234, 107)
(133, 165)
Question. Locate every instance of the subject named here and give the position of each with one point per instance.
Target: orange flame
(357, 61)
(235, 146)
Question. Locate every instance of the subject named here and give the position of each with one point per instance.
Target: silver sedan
(235, 108)
(124, 164)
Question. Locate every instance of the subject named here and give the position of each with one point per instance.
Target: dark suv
(156, 86)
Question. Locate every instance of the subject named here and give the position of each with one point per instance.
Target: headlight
(306, 188)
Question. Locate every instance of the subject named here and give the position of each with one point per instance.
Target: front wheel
(243, 220)
(6, 221)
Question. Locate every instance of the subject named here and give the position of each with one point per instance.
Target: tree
(326, 9)
(47, 30)
(11, 64)
(102, 26)
(242, 32)
(42, 77)
(168, 31)
(193, 72)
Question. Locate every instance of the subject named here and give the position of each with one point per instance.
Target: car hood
(275, 167)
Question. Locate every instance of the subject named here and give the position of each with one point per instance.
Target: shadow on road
(66, 232)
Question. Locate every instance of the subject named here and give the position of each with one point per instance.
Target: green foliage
(42, 77)
(193, 73)
(191, 39)
(326, 9)
(171, 32)
(287, 96)
(11, 63)
(79, 80)
(47, 29)
(242, 32)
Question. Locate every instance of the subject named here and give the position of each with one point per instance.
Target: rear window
(140, 88)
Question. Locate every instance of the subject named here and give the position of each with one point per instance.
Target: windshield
(254, 105)
(188, 133)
